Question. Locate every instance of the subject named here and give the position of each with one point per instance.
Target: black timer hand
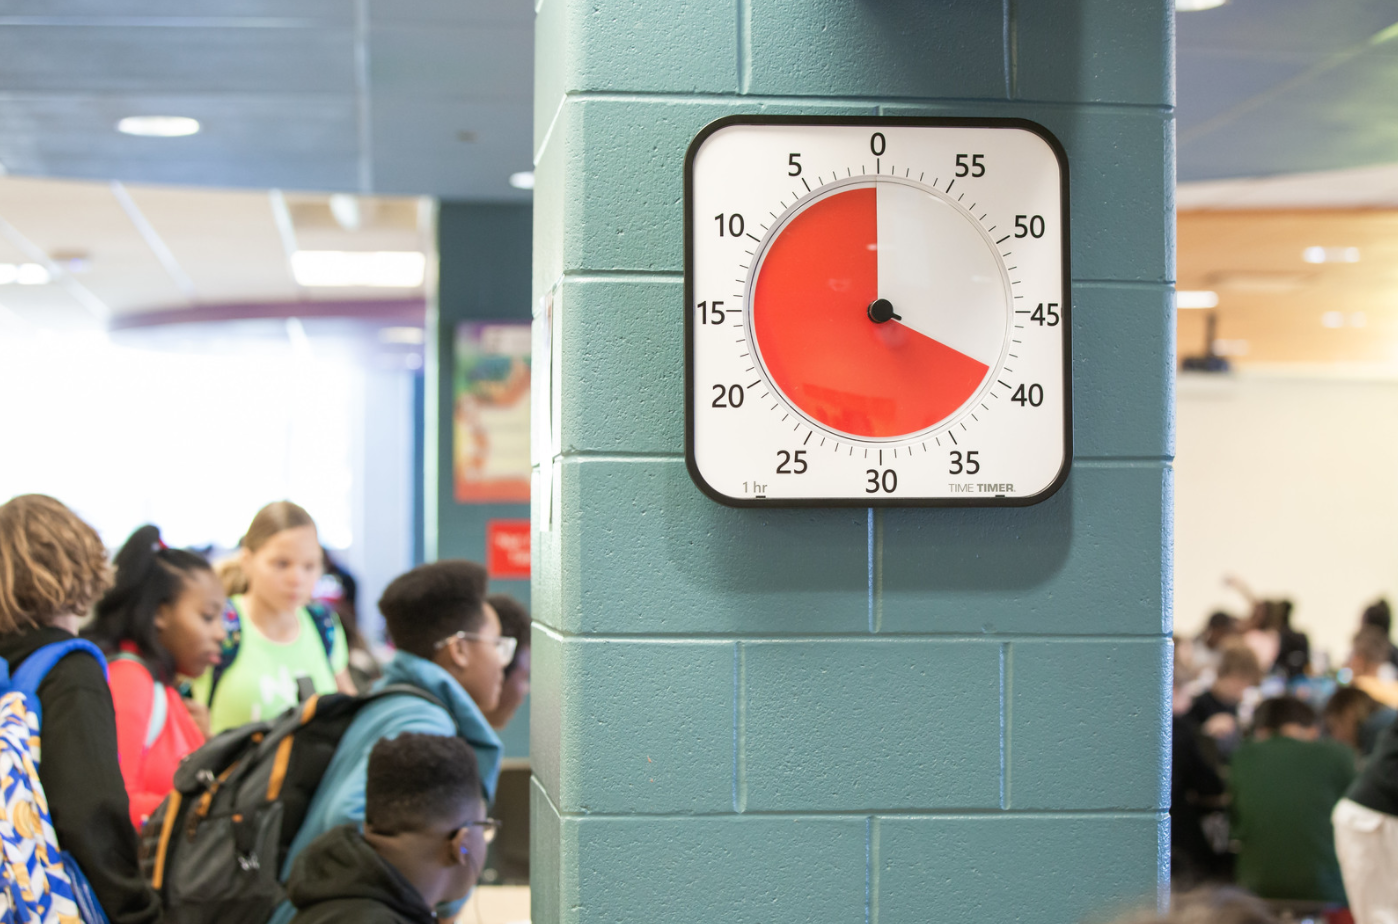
(881, 310)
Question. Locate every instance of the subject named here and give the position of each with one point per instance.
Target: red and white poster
(507, 549)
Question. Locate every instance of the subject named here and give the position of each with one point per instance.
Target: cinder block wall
(836, 715)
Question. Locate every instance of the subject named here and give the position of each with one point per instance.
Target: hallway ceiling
(434, 96)
(389, 96)
(1268, 87)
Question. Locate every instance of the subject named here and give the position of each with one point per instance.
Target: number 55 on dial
(877, 311)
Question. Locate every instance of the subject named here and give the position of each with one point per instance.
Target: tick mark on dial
(758, 239)
(881, 310)
(808, 185)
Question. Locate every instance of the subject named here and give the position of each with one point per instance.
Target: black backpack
(215, 847)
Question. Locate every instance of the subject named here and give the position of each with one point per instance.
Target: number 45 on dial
(877, 311)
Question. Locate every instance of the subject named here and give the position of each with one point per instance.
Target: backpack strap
(325, 619)
(37, 666)
(159, 707)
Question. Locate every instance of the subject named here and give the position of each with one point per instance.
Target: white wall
(1289, 481)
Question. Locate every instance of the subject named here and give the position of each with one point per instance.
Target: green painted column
(836, 715)
(482, 275)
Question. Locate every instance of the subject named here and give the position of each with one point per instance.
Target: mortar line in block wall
(943, 105)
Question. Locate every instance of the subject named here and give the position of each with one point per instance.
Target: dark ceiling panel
(481, 62)
(417, 146)
(137, 59)
(293, 142)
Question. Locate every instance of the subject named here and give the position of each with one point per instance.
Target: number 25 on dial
(877, 311)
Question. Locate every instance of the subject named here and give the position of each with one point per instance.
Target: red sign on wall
(507, 549)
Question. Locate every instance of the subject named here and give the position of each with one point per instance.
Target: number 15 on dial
(877, 311)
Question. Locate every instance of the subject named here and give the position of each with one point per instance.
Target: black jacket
(82, 779)
(1377, 786)
(340, 879)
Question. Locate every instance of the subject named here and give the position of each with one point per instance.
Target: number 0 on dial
(877, 311)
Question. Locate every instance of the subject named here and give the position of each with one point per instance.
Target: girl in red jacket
(162, 620)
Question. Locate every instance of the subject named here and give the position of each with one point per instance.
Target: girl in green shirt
(277, 643)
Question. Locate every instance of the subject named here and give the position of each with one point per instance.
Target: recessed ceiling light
(1330, 255)
(522, 180)
(158, 126)
(1332, 319)
(401, 269)
(1191, 6)
(1186, 298)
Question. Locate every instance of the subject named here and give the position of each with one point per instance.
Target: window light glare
(158, 126)
(1330, 255)
(385, 269)
(522, 180)
(25, 274)
(1191, 6)
(1196, 298)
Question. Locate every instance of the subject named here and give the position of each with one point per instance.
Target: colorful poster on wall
(507, 549)
(491, 430)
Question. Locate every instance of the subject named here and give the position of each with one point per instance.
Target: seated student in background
(514, 623)
(423, 845)
(1284, 784)
(163, 619)
(1380, 615)
(1214, 712)
(275, 644)
(1369, 663)
(52, 568)
(1366, 835)
(1354, 718)
(1196, 792)
(449, 645)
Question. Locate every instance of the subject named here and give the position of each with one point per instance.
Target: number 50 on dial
(877, 311)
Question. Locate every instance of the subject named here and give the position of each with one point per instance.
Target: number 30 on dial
(877, 311)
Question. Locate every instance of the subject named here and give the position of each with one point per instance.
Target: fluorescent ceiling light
(409, 335)
(25, 274)
(522, 180)
(346, 268)
(158, 126)
(1332, 319)
(1186, 298)
(1330, 255)
(1190, 6)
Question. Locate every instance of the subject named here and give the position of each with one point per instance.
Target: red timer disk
(852, 324)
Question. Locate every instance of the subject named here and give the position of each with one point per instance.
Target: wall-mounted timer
(877, 311)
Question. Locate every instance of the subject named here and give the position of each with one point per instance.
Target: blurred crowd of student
(1285, 770)
(182, 649)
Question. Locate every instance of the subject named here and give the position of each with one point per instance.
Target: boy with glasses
(423, 845)
(449, 647)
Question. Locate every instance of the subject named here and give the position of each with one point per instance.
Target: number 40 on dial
(877, 311)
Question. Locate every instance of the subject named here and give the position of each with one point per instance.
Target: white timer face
(877, 312)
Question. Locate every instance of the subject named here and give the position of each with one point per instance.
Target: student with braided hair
(162, 621)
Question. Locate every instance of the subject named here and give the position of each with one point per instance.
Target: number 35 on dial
(877, 311)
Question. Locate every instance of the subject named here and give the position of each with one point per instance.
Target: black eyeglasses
(488, 827)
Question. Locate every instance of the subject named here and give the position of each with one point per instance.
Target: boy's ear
(459, 847)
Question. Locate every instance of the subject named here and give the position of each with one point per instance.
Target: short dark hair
(1348, 700)
(415, 780)
(1273, 713)
(514, 618)
(431, 602)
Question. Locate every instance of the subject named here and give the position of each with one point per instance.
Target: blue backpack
(39, 883)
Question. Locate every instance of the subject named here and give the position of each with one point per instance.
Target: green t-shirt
(1283, 793)
(261, 682)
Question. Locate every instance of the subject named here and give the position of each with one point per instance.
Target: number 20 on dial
(877, 311)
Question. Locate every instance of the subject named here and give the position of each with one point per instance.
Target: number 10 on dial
(877, 311)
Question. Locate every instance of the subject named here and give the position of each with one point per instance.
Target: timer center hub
(881, 310)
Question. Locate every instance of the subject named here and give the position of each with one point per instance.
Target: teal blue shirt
(340, 797)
